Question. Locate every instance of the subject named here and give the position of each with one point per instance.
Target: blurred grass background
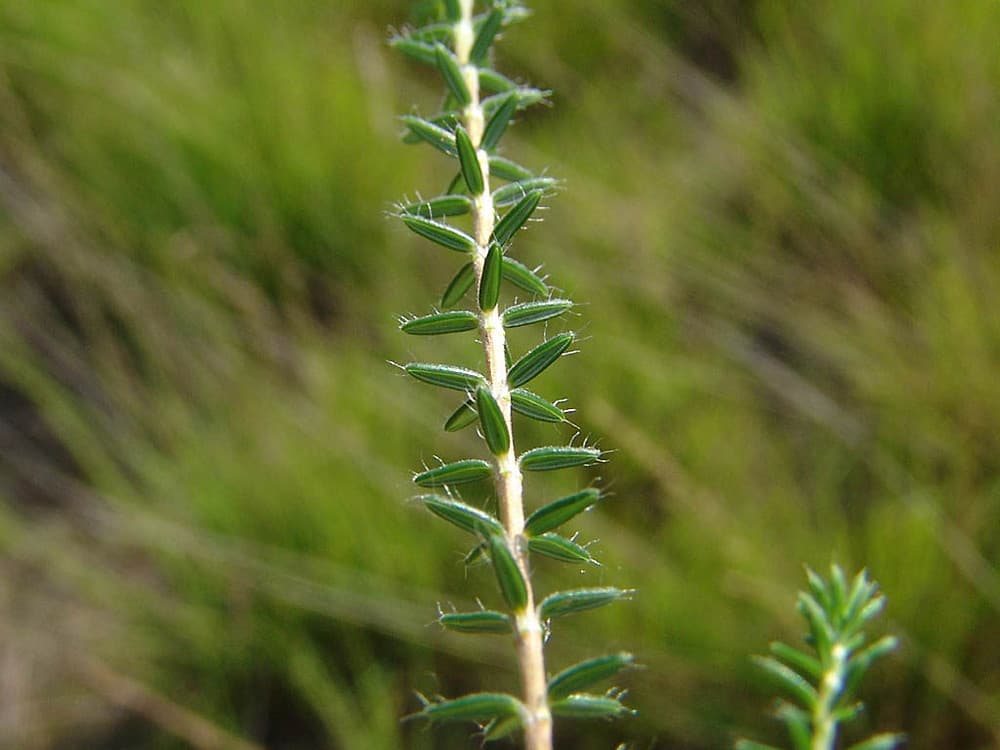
(783, 218)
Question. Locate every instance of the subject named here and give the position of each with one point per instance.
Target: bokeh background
(784, 220)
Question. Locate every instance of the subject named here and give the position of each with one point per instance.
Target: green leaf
(797, 722)
(583, 706)
(444, 205)
(474, 707)
(492, 421)
(433, 32)
(484, 38)
(428, 132)
(462, 417)
(476, 622)
(802, 662)
(571, 602)
(534, 406)
(453, 9)
(532, 364)
(489, 284)
(524, 97)
(512, 585)
(886, 741)
(439, 232)
(499, 120)
(459, 472)
(528, 313)
(446, 120)
(819, 625)
(505, 169)
(555, 457)
(468, 160)
(445, 376)
(455, 321)
(490, 80)
(581, 676)
(514, 219)
(791, 681)
(521, 276)
(558, 512)
(451, 72)
(560, 548)
(463, 516)
(416, 50)
(859, 664)
(459, 286)
(512, 192)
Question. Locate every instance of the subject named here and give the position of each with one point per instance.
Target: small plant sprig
(478, 107)
(821, 685)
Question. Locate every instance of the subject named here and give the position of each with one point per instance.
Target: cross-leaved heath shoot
(488, 201)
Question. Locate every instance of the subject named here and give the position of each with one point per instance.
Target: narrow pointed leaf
(797, 722)
(524, 97)
(819, 627)
(459, 286)
(468, 160)
(514, 219)
(445, 376)
(859, 664)
(799, 661)
(532, 364)
(428, 132)
(444, 205)
(583, 706)
(528, 313)
(581, 676)
(492, 421)
(451, 72)
(484, 38)
(489, 284)
(476, 622)
(459, 472)
(512, 585)
(455, 321)
(571, 602)
(474, 707)
(558, 512)
(532, 405)
(439, 232)
(491, 80)
(792, 682)
(512, 192)
(554, 457)
(433, 32)
(560, 548)
(415, 49)
(499, 121)
(453, 9)
(463, 516)
(887, 741)
(462, 417)
(505, 169)
(521, 276)
(446, 120)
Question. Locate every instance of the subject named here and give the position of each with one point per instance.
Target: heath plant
(488, 199)
(820, 683)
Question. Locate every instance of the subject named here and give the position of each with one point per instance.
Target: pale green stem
(830, 685)
(509, 485)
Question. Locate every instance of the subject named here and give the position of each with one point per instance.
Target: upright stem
(508, 481)
(829, 688)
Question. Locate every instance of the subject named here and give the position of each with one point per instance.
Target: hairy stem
(830, 685)
(508, 480)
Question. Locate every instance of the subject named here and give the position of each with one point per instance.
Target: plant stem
(830, 685)
(508, 480)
